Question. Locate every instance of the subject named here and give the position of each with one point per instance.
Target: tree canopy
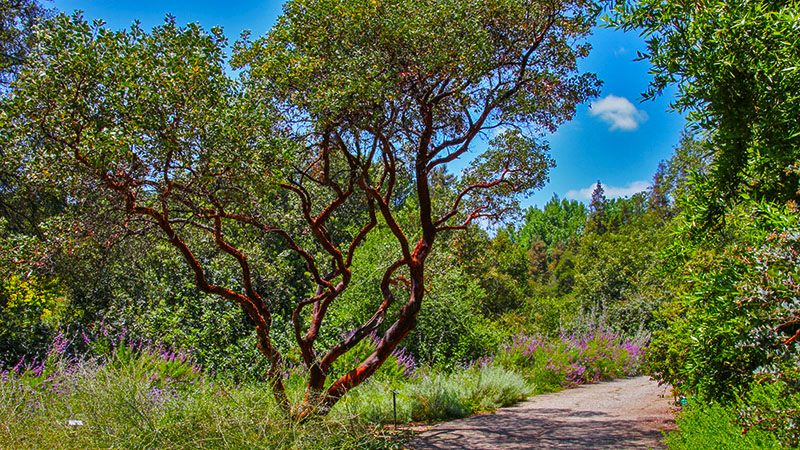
(17, 20)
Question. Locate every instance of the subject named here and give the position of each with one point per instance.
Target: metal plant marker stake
(394, 406)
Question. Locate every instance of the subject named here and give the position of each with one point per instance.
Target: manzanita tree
(344, 112)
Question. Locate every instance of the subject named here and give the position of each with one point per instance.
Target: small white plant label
(75, 423)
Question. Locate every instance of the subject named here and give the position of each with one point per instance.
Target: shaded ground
(617, 415)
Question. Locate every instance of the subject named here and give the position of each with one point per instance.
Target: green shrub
(450, 329)
(735, 310)
(546, 315)
(713, 427)
(30, 312)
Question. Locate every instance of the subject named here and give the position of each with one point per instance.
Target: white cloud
(610, 191)
(499, 130)
(618, 112)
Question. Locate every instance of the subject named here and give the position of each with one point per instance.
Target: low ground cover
(766, 417)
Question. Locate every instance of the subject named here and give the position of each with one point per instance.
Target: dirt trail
(617, 415)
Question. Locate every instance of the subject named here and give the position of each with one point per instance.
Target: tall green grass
(130, 401)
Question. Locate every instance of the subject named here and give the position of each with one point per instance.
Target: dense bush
(548, 316)
(450, 328)
(736, 311)
(29, 313)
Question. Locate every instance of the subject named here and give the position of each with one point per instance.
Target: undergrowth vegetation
(135, 394)
(148, 397)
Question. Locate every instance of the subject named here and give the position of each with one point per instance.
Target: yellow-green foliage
(30, 310)
(33, 299)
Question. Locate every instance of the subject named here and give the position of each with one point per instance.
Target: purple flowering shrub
(63, 387)
(36, 383)
(164, 362)
(571, 360)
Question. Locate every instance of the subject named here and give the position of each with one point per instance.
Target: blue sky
(619, 140)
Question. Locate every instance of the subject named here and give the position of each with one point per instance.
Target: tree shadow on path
(543, 428)
(540, 433)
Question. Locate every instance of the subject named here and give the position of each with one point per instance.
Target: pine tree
(598, 220)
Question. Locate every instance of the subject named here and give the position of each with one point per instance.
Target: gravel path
(617, 415)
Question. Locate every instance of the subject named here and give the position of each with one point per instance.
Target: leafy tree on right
(736, 68)
(731, 326)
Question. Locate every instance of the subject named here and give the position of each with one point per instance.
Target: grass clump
(434, 395)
